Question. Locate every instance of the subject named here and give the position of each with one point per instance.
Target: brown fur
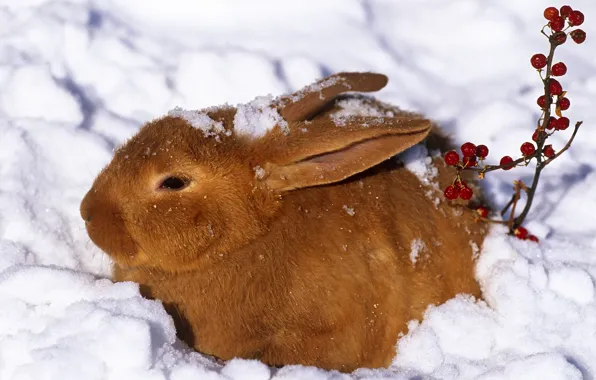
(271, 267)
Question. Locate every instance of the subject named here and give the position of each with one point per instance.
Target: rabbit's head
(175, 194)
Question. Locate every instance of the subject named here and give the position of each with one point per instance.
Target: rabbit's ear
(308, 101)
(327, 153)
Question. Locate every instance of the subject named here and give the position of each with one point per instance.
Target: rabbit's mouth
(112, 237)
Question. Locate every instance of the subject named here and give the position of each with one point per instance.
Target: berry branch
(560, 21)
(567, 145)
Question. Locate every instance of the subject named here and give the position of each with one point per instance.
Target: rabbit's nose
(85, 209)
(86, 214)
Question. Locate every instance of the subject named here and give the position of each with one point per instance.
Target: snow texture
(315, 87)
(416, 248)
(79, 77)
(356, 107)
(257, 117)
(349, 210)
(419, 162)
(202, 121)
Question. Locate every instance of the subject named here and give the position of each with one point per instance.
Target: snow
(259, 172)
(349, 210)
(64, 314)
(572, 283)
(315, 87)
(78, 78)
(416, 248)
(356, 106)
(200, 120)
(258, 116)
(418, 161)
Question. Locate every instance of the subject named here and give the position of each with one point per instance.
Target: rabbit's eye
(173, 183)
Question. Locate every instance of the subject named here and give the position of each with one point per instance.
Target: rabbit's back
(374, 252)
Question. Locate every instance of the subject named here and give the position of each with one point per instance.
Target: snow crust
(201, 121)
(258, 116)
(418, 161)
(78, 78)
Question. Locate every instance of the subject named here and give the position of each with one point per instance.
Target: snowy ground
(77, 77)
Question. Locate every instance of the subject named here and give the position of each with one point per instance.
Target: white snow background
(77, 77)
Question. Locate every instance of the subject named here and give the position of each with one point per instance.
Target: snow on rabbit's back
(281, 230)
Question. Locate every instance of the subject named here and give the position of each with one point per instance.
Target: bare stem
(492, 221)
(516, 197)
(540, 143)
(504, 210)
(490, 168)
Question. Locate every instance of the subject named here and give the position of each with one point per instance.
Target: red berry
(565, 10)
(451, 158)
(555, 87)
(559, 69)
(468, 149)
(541, 101)
(557, 23)
(469, 161)
(564, 104)
(521, 232)
(550, 13)
(559, 38)
(576, 18)
(548, 151)
(527, 148)
(451, 192)
(482, 151)
(535, 135)
(506, 160)
(538, 61)
(533, 238)
(466, 193)
(578, 36)
(482, 211)
(552, 123)
(562, 124)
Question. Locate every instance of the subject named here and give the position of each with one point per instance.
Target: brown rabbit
(307, 245)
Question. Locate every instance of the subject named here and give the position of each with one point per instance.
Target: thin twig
(516, 198)
(577, 125)
(492, 220)
(490, 168)
(523, 187)
(504, 210)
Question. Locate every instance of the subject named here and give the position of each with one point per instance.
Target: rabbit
(310, 243)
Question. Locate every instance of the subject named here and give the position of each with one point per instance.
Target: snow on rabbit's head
(199, 183)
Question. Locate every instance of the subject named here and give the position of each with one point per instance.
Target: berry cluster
(458, 189)
(523, 234)
(556, 21)
(470, 156)
(560, 23)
